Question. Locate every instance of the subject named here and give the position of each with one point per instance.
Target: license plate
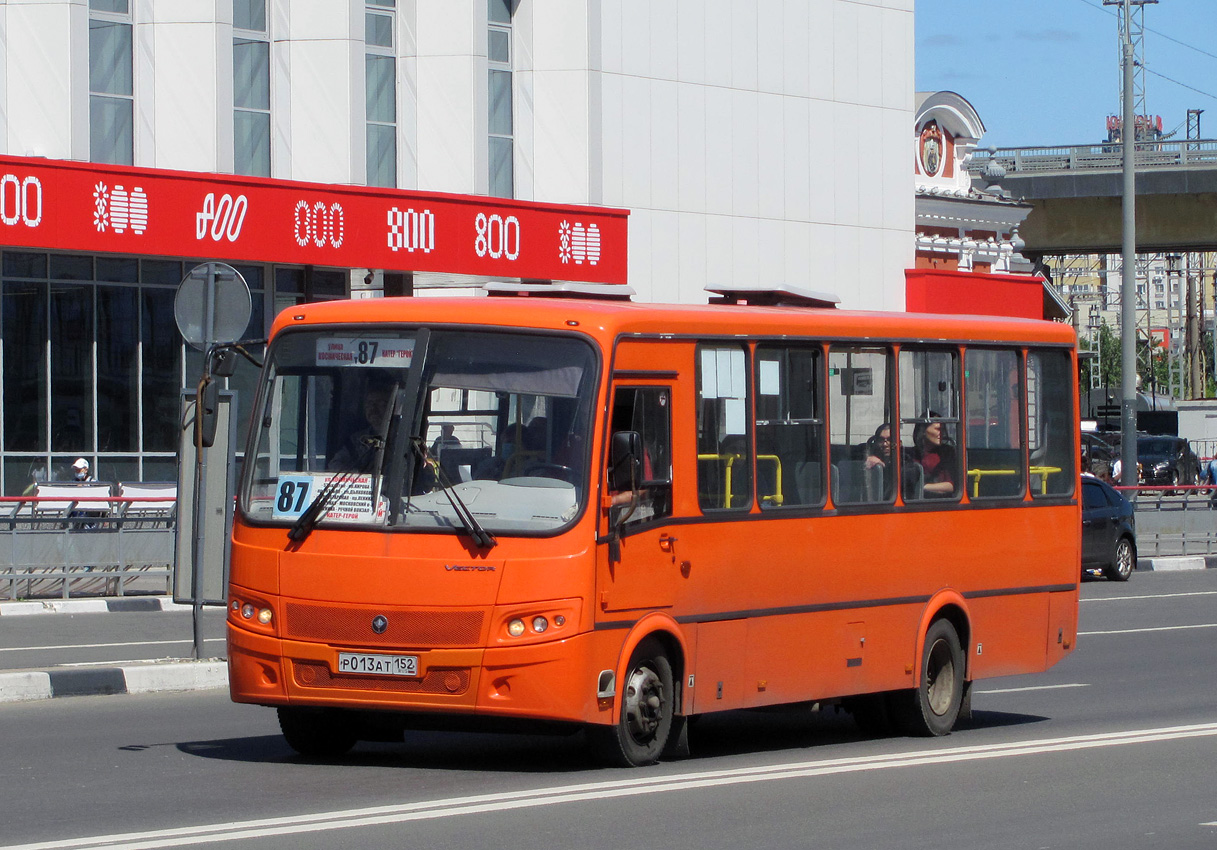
(378, 665)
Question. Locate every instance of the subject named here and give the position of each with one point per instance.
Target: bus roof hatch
(561, 289)
(778, 295)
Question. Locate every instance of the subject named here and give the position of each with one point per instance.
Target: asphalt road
(46, 641)
(1114, 748)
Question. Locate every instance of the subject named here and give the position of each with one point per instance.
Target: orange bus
(619, 516)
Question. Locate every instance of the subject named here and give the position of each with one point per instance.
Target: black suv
(1167, 460)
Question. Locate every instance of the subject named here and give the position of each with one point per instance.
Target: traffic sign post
(212, 308)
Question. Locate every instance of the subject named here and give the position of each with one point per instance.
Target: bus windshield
(409, 429)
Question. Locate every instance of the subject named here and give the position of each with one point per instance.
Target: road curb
(1175, 563)
(24, 685)
(119, 605)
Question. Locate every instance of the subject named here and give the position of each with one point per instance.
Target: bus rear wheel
(647, 704)
(932, 708)
(316, 732)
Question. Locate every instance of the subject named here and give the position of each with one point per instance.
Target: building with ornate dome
(968, 256)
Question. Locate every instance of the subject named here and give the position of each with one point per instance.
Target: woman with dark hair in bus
(933, 452)
(879, 453)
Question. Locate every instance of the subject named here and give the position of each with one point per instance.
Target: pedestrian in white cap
(80, 470)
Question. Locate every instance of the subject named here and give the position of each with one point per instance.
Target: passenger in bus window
(447, 439)
(879, 454)
(934, 453)
(879, 447)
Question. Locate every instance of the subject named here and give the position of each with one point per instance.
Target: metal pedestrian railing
(1190, 153)
(89, 539)
(1179, 520)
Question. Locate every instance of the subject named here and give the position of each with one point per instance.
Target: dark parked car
(1109, 530)
(1167, 460)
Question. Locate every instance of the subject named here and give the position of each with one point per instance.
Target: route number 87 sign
(365, 351)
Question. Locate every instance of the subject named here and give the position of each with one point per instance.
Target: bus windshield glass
(410, 429)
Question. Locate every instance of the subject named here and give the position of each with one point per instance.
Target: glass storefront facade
(92, 364)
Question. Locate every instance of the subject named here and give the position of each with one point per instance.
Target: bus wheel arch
(646, 723)
(949, 606)
(941, 692)
(661, 628)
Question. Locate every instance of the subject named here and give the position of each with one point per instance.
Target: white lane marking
(1033, 688)
(1151, 629)
(1152, 596)
(104, 645)
(504, 801)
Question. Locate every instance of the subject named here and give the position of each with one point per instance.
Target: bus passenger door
(639, 560)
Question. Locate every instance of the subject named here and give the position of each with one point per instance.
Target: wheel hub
(643, 703)
(940, 673)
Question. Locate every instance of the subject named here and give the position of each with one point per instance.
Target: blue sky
(1046, 72)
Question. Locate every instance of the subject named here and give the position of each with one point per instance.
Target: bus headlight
(539, 624)
(256, 614)
(515, 628)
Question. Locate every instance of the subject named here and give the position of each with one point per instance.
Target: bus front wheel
(647, 702)
(932, 708)
(315, 732)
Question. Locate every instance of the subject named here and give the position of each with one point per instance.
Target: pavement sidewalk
(133, 677)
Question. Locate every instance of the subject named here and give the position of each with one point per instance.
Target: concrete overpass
(1075, 194)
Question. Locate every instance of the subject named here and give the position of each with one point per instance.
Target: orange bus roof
(608, 319)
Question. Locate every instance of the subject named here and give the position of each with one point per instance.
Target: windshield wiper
(371, 447)
(483, 538)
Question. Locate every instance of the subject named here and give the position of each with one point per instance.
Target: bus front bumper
(555, 680)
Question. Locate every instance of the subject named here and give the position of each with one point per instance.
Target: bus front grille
(422, 629)
(452, 681)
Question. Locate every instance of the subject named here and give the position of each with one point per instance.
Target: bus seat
(451, 460)
(852, 474)
(807, 482)
(872, 480)
(914, 481)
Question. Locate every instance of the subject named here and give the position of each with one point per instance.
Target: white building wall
(450, 39)
(753, 143)
(321, 65)
(46, 78)
(183, 85)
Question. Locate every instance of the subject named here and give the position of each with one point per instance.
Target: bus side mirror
(625, 461)
(225, 363)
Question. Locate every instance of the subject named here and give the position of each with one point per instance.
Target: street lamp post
(1128, 283)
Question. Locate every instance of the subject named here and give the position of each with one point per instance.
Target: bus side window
(994, 416)
(1051, 420)
(724, 452)
(930, 420)
(789, 427)
(860, 425)
(647, 410)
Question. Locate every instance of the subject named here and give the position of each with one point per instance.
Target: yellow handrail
(730, 459)
(777, 498)
(977, 474)
(1044, 472)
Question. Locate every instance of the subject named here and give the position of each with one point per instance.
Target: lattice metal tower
(1136, 34)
